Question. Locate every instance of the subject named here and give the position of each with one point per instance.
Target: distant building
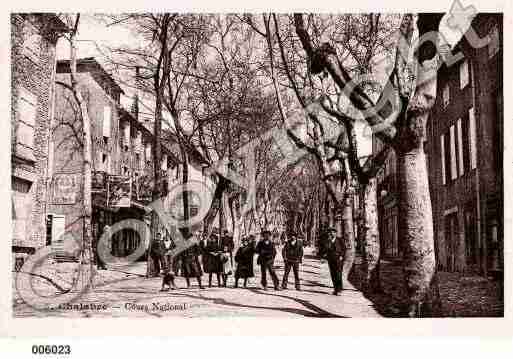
(464, 147)
(33, 40)
(122, 160)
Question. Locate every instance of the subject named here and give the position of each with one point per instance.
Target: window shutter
(164, 162)
(494, 41)
(107, 113)
(148, 151)
(442, 155)
(27, 111)
(472, 130)
(464, 79)
(31, 42)
(454, 169)
(446, 95)
(22, 207)
(460, 147)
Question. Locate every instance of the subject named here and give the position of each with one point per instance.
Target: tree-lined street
(132, 295)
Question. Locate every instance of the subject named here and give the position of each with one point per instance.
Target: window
(464, 78)
(126, 135)
(21, 207)
(164, 162)
(27, 105)
(494, 41)
(106, 121)
(105, 162)
(472, 134)
(137, 160)
(148, 152)
(446, 95)
(454, 169)
(31, 43)
(460, 147)
(138, 140)
(442, 155)
(125, 171)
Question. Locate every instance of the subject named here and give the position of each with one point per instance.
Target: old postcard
(257, 165)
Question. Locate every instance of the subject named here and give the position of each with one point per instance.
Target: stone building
(464, 144)
(33, 41)
(121, 160)
(464, 147)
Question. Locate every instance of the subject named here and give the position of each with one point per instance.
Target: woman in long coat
(191, 265)
(244, 259)
(211, 259)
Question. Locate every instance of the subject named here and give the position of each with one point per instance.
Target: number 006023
(51, 349)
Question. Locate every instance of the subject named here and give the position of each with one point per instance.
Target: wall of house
(66, 142)
(32, 69)
(455, 202)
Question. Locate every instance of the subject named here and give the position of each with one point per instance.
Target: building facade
(122, 160)
(33, 61)
(464, 147)
(464, 144)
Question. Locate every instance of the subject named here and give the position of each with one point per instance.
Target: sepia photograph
(257, 165)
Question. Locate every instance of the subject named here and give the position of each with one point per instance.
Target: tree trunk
(371, 248)
(86, 255)
(213, 211)
(185, 195)
(416, 232)
(347, 231)
(157, 167)
(88, 208)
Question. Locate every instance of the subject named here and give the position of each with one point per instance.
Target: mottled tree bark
(416, 232)
(348, 235)
(370, 233)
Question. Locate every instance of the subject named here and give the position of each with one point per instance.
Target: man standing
(167, 263)
(333, 250)
(98, 257)
(292, 254)
(155, 253)
(266, 253)
(227, 244)
(191, 267)
(244, 259)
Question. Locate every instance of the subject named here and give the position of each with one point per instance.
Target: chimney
(135, 105)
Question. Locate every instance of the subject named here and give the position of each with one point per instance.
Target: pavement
(128, 293)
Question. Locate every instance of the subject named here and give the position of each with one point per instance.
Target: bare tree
(74, 86)
(404, 133)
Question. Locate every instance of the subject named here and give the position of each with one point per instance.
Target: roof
(89, 64)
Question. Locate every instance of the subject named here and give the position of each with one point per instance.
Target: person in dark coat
(155, 253)
(228, 245)
(333, 250)
(244, 259)
(292, 254)
(266, 254)
(210, 258)
(99, 262)
(167, 263)
(191, 265)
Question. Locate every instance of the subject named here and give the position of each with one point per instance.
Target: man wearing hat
(333, 250)
(156, 252)
(266, 252)
(292, 254)
(228, 245)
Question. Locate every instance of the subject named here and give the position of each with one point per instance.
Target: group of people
(217, 258)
